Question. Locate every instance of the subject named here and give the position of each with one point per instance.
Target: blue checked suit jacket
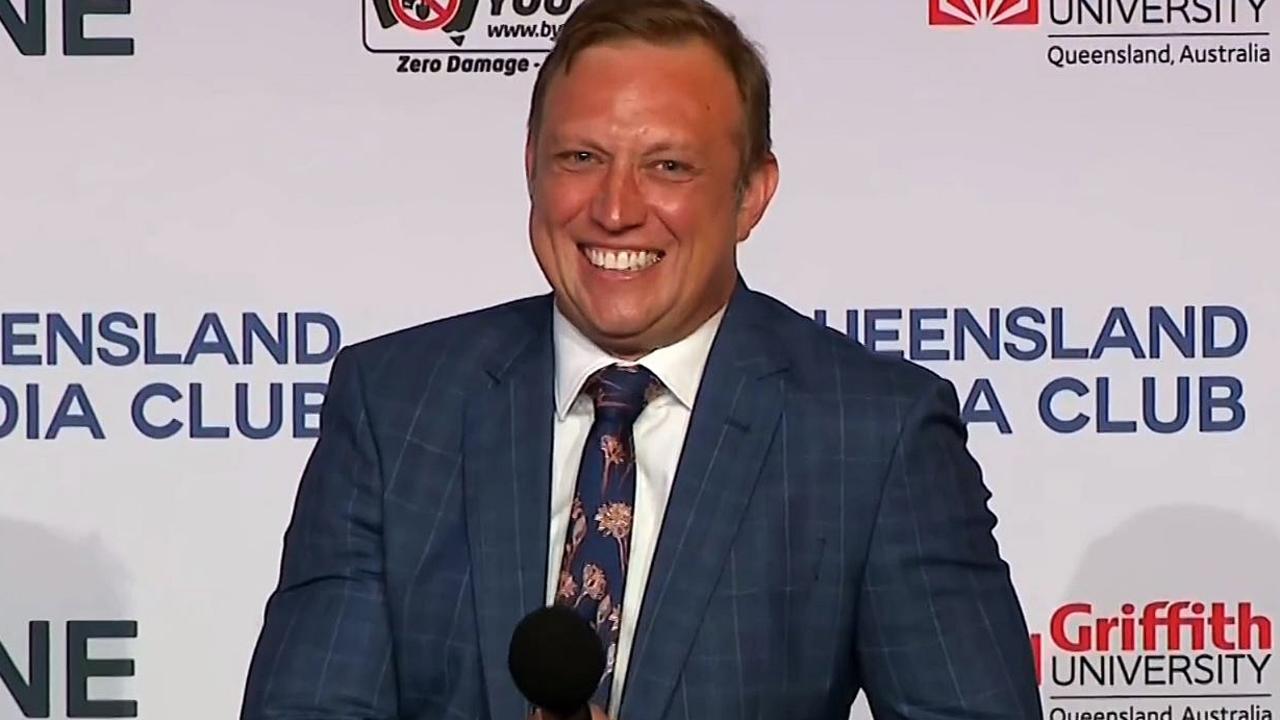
(827, 533)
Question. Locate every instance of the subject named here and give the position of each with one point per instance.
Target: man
(757, 516)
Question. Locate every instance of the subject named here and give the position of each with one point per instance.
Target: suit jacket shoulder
(449, 353)
(417, 380)
(823, 360)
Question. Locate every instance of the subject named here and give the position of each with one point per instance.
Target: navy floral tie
(593, 569)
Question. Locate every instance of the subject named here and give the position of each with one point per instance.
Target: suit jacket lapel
(507, 465)
(736, 411)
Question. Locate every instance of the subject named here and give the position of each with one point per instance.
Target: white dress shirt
(659, 434)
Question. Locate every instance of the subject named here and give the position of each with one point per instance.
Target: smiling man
(644, 182)
(758, 517)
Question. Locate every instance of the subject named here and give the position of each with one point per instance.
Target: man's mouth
(622, 260)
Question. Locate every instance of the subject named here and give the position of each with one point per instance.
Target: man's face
(636, 211)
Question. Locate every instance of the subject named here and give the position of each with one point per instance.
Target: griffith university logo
(502, 37)
(1175, 659)
(1100, 34)
(984, 12)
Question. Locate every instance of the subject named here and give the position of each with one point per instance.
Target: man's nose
(619, 203)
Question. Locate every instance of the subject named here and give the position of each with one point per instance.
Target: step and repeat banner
(1070, 208)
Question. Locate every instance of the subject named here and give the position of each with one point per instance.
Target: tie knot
(620, 392)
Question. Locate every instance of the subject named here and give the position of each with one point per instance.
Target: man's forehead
(650, 77)
(694, 58)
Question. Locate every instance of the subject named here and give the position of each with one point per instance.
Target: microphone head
(556, 660)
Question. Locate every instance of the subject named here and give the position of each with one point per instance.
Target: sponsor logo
(977, 12)
(1110, 33)
(499, 37)
(1179, 659)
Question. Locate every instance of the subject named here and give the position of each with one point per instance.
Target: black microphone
(556, 661)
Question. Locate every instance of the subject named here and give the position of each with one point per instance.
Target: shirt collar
(679, 366)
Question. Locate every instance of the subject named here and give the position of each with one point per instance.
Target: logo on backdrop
(491, 37)
(1172, 396)
(29, 32)
(72, 656)
(1157, 660)
(1111, 33)
(975, 12)
(248, 375)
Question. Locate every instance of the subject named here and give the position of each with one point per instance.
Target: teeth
(627, 260)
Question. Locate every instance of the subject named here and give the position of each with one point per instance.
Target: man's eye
(579, 156)
(672, 166)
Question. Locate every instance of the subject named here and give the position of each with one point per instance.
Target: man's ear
(757, 193)
(530, 161)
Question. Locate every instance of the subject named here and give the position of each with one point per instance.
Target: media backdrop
(1068, 207)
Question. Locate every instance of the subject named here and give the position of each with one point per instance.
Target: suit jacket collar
(507, 479)
(507, 438)
(744, 337)
(733, 422)
(679, 366)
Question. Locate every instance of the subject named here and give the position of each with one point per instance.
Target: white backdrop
(260, 158)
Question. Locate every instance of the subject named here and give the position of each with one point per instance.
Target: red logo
(1159, 627)
(976, 12)
(425, 14)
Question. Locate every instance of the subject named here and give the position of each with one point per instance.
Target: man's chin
(620, 335)
(614, 318)
(620, 331)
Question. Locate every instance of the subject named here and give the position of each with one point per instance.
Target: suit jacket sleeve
(325, 650)
(941, 634)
